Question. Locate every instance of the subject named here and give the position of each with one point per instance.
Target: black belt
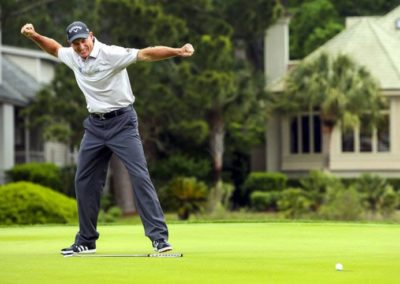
(111, 114)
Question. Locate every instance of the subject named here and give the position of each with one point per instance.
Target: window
(348, 140)
(383, 137)
(294, 136)
(317, 134)
(365, 135)
(305, 134)
(367, 138)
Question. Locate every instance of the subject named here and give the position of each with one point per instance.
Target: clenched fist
(28, 30)
(187, 50)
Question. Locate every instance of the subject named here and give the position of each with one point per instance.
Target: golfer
(111, 127)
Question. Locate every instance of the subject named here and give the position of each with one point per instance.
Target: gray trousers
(118, 135)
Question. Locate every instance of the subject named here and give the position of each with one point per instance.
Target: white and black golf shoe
(161, 245)
(78, 249)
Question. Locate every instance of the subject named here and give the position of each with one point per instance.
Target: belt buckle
(100, 116)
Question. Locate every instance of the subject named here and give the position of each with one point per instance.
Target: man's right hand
(28, 30)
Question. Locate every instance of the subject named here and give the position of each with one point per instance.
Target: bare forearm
(157, 53)
(163, 52)
(47, 44)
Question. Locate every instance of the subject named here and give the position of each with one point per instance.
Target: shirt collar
(96, 48)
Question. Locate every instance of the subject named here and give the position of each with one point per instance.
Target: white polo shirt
(102, 77)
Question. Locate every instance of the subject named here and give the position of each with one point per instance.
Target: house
(23, 72)
(293, 144)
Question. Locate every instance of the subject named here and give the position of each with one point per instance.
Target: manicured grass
(213, 253)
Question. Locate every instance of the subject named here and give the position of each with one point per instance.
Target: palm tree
(341, 90)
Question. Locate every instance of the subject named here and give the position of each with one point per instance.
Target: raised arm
(47, 44)
(163, 52)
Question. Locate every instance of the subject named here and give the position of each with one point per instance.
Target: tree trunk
(122, 186)
(217, 143)
(327, 128)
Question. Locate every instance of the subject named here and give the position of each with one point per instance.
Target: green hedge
(261, 181)
(323, 195)
(341, 203)
(28, 203)
(264, 182)
(294, 203)
(265, 201)
(45, 174)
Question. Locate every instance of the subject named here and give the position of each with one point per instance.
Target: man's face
(83, 46)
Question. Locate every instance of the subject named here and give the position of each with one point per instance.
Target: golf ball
(339, 266)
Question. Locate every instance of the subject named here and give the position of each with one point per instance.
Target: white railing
(33, 156)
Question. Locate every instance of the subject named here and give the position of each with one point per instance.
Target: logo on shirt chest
(87, 70)
(92, 66)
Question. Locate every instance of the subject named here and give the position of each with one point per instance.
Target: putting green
(213, 253)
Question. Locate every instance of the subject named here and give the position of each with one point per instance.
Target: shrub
(28, 203)
(372, 188)
(67, 177)
(294, 182)
(264, 201)
(316, 184)
(168, 202)
(111, 215)
(341, 204)
(294, 202)
(45, 174)
(190, 194)
(180, 165)
(265, 182)
(388, 202)
(395, 182)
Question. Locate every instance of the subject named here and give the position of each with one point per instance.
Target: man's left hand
(187, 50)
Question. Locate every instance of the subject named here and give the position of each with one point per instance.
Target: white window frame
(374, 139)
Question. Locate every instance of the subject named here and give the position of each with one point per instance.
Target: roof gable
(370, 45)
(17, 87)
(373, 42)
(388, 21)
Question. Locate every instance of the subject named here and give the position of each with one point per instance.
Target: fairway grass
(213, 253)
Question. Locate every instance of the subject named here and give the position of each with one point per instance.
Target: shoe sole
(69, 252)
(164, 249)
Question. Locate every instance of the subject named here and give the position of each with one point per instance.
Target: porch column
(7, 150)
(273, 143)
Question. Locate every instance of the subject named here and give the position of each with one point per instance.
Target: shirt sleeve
(120, 57)
(65, 54)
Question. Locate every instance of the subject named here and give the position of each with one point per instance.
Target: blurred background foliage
(188, 107)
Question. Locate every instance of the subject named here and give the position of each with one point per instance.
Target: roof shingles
(17, 87)
(370, 41)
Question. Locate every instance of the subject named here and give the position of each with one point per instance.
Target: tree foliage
(184, 105)
(338, 88)
(313, 22)
(59, 109)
